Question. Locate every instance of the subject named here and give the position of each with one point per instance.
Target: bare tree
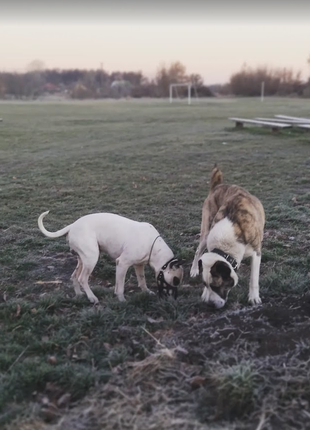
(196, 80)
(35, 78)
(162, 80)
(175, 73)
(279, 81)
(35, 66)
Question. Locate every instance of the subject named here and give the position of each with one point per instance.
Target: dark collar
(227, 257)
(168, 262)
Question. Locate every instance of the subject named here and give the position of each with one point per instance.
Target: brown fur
(216, 178)
(243, 209)
(247, 217)
(221, 279)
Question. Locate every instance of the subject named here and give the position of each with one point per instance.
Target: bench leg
(239, 124)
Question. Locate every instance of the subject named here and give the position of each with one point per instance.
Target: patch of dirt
(171, 385)
(275, 328)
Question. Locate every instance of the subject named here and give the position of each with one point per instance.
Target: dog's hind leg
(75, 276)
(121, 269)
(89, 262)
(139, 269)
(254, 298)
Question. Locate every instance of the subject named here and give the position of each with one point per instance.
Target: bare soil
(276, 328)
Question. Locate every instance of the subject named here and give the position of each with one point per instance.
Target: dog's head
(170, 278)
(218, 277)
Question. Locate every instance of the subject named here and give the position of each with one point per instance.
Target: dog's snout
(216, 304)
(212, 305)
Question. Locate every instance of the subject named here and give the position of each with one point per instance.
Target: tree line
(277, 82)
(81, 84)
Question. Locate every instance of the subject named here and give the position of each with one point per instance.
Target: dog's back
(242, 208)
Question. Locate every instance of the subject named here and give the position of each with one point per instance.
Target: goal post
(185, 84)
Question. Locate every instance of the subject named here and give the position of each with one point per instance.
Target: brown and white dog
(232, 228)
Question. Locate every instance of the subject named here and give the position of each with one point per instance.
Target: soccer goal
(176, 86)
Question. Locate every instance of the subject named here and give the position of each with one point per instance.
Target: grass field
(145, 363)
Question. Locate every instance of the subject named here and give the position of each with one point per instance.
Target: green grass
(235, 391)
(150, 161)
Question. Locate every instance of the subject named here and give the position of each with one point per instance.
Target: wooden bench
(275, 126)
(292, 122)
(286, 121)
(307, 126)
(293, 118)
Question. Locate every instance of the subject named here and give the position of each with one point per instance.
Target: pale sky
(213, 44)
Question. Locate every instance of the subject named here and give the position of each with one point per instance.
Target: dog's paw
(205, 295)
(194, 272)
(94, 300)
(121, 298)
(255, 300)
(150, 292)
(146, 290)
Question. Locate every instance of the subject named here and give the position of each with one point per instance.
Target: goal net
(173, 91)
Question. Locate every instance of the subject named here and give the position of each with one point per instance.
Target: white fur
(210, 296)
(208, 259)
(222, 236)
(128, 242)
(254, 298)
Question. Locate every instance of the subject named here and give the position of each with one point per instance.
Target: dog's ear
(221, 269)
(176, 263)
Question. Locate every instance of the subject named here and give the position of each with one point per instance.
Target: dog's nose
(217, 304)
(212, 305)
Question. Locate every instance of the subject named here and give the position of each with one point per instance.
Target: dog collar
(227, 257)
(152, 248)
(168, 262)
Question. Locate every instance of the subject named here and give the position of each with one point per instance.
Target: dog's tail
(216, 177)
(58, 233)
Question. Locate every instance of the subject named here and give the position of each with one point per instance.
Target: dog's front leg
(121, 270)
(204, 231)
(254, 298)
(201, 247)
(139, 269)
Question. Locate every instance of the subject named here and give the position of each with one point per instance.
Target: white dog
(129, 242)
